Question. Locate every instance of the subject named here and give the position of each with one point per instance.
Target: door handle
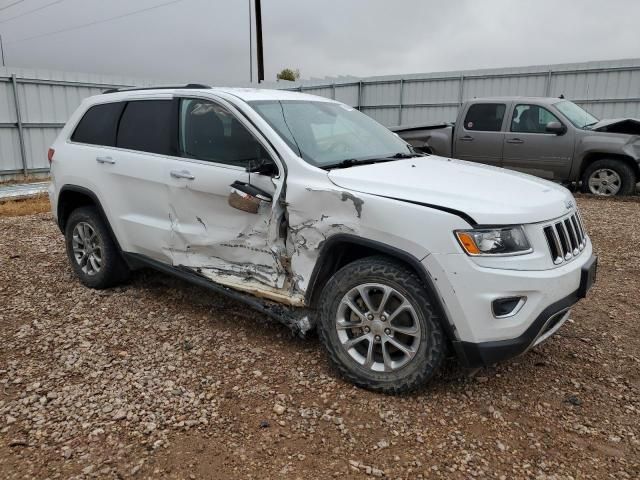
(515, 140)
(466, 138)
(182, 174)
(103, 160)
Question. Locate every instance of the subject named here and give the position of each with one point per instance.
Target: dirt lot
(162, 379)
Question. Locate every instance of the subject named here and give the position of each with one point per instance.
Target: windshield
(576, 115)
(325, 134)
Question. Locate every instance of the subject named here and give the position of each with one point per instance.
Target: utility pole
(2, 50)
(250, 45)
(259, 41)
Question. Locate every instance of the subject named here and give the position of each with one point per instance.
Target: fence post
(400, 102)
(360, 96)
(547, 88)
(23, 153)
(333, 90)
(461, 90)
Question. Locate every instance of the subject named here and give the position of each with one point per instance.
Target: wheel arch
(343, 248)
(592, 157)
(72, 197)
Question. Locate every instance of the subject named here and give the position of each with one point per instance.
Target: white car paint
(183, 223)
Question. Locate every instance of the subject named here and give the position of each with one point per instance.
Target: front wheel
(608, 178)
(379, 326)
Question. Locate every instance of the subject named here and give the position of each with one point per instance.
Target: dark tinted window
(485, 117)
(146, 126)
(98, 125)
(531, 119)
(210, 132)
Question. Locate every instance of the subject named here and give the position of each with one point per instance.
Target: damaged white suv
(318, 216)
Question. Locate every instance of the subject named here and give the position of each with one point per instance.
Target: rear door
(135, 176)
(124, 146)
(531, 149)
(211, 230)
(480, 137)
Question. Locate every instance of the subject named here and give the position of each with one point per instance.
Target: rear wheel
(92, 252)
(608, 178)
(379, 327)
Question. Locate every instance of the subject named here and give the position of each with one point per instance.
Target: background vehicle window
(146, 126)
(210, 132)
(531, 119)
(99, 124)
(485, 117)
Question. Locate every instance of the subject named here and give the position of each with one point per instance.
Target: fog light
(507, 307)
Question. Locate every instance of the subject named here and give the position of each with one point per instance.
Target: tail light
(50, 155)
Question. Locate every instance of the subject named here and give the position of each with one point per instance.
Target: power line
(33, 10)
(11, 5)
(97, 22)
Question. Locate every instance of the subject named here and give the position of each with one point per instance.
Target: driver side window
(210, 132)
(531, 119)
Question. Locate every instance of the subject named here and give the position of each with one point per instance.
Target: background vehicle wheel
(379, 327)
(92, 252)
(609, 177)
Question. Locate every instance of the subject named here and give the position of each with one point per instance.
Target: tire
(96, 260)
(615, 178)
(397, 372)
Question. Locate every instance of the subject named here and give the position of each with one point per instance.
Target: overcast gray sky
(208, 40)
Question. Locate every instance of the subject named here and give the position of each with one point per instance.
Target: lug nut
(370, 317)
(387, 331)
(377, 338)
(367, 329)
(383, 318)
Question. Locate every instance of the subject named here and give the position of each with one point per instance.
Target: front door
(529, 148)
(480, 137)
(217, 229)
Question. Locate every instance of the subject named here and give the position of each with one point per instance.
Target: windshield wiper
(589, 124)
(351, 162)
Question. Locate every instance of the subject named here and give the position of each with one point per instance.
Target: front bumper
(479, 338)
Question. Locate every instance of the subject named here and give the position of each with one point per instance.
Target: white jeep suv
(318, 216)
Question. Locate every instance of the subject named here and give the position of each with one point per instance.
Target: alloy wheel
(378, 327)
(605, 182)
(87, 249)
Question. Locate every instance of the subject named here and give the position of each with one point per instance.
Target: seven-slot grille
(566, 238)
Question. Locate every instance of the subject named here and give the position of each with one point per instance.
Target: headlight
(494, 241)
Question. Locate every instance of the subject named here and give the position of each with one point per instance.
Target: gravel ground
(161, 379)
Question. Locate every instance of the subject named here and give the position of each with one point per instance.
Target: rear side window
(146, 126)
(99, 124)
(485, 117)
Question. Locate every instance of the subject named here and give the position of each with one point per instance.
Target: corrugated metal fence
(609, 89)
(35, 104)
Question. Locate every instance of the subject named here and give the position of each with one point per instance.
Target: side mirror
(555, 127)
(263, 166)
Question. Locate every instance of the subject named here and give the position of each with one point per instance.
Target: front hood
(626, 126)
(489, 195)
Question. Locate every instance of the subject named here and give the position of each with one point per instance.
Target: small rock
(120, 414)
(264, 424)
(279, 409)
(11, 419)
(573, 400)
(482, 379)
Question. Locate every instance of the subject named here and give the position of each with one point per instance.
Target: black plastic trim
(393, 252)
(166, 87)
(96, 201)
(282, 313)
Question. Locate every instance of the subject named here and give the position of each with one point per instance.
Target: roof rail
(189, 85)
